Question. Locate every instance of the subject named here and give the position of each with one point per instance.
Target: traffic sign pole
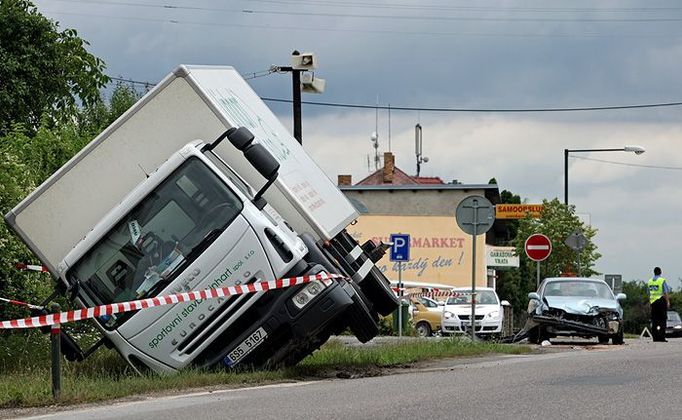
(538, 247)
(475, 215)
(400, 251)
(400, 299)
(473, 280)
(537, 280)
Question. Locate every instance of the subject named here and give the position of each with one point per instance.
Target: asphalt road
(638, 380)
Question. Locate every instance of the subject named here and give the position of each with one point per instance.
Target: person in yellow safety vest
(658, 298)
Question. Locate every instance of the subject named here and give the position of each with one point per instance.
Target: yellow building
(391, 201)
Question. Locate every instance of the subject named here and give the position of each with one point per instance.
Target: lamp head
(638, 150)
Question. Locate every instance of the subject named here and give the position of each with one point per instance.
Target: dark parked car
(674, 327)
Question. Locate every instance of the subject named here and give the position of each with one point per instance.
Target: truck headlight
(314, 287)
(308, 293)
(448, 315)
(494, 314)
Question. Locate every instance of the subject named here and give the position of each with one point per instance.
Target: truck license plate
(252, 341)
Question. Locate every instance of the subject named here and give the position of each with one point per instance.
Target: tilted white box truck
(199, 186)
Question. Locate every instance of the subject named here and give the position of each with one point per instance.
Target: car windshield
(428, 302)
(163, 234)
(484, 297)
(578, 288)
(673, 316)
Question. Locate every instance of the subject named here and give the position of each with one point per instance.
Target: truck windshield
(164, 233)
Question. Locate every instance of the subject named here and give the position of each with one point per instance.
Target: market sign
(501, 257)
(518, 211)
(440, 252)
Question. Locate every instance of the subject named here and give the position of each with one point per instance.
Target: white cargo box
(193, 102)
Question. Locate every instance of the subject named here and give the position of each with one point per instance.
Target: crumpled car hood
(581, 305)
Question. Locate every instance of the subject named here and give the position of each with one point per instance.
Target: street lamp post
(302, 80)
(638, 150)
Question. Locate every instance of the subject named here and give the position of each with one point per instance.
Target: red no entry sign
(538, 247)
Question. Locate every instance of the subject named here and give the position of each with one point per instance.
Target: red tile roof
(399, 178)
(429, 180)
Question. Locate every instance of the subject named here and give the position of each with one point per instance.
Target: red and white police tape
(112, 308)
(20, 303)
(437, 294)
(433, 293)
(31, 267)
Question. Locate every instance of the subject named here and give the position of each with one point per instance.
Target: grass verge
(105, 376)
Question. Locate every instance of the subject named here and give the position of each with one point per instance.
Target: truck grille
(210, 325)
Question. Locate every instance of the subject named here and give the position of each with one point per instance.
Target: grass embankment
(25, 377)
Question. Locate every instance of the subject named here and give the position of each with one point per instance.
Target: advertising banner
(518, 211)
(440, 252)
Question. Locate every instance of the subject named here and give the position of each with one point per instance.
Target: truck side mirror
(259, 157)
(266, 165)
(240, 138)
(533, 296)
(621, 296)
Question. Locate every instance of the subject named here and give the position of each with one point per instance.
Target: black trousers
(659, 317)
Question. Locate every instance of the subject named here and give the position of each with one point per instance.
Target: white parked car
(457, 312)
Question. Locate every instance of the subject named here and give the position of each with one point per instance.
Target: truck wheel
(361, 321)
(618, 338)
(423, 329)
(304, 351)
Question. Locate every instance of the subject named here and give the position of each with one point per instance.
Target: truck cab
(191, 226)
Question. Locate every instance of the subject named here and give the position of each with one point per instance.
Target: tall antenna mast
(389, 127)
(418, 147)
(375, 136)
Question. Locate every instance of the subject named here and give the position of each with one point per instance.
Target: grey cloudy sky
(453, 54)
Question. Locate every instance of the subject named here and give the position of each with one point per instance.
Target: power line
(381, 16)
(500, 110)
(395, 6)
(273, 69)
(469, 8)
(262, 73)
(675, 168)
(365, 30)
(132, 82)
(459, 18)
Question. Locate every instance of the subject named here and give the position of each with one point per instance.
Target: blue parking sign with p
(400, 250)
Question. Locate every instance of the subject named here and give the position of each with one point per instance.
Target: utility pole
(296, 85)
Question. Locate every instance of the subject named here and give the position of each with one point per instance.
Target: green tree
(557, 222)
(636, 309)
(28, 159)
(44, 71)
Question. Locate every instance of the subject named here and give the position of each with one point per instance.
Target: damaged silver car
(574, 306)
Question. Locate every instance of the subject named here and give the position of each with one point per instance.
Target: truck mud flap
(356, 261)
(574, 325)
(360, 320)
